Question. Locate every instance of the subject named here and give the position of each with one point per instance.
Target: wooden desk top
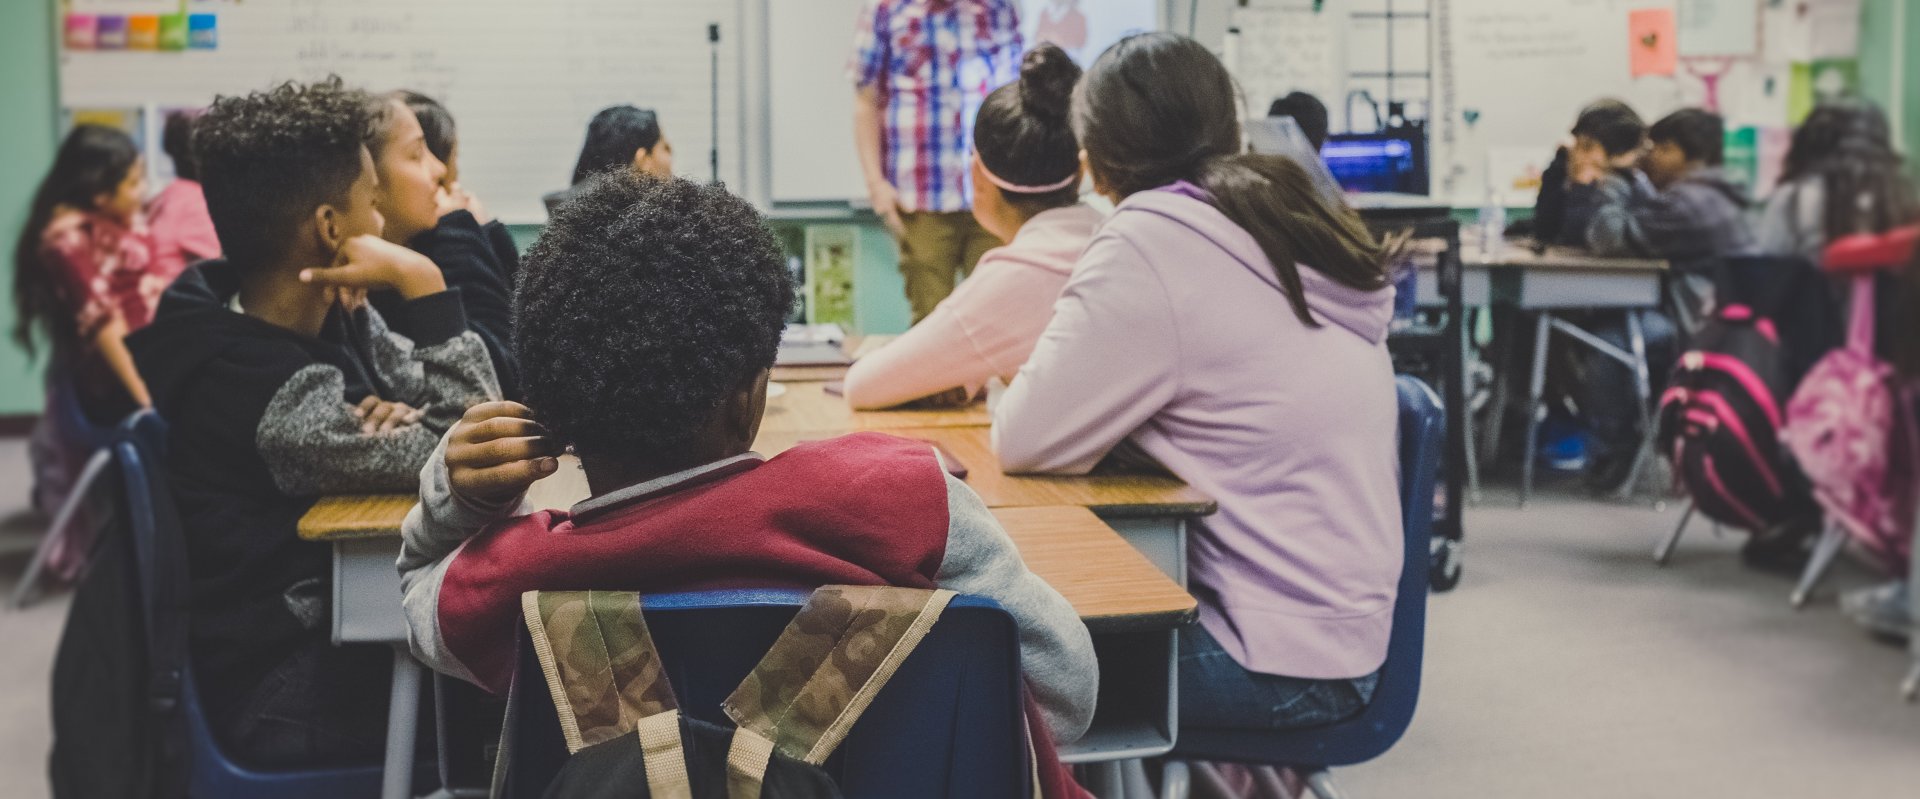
(1112, 586)
(1114, 495)
(808, 407)
(1519, 254)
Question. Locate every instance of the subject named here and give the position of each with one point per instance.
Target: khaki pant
(938, 250)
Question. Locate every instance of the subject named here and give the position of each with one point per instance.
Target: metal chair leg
(1832, 540)
(1910, 689)
(27, 592)
(1665, 550)
(1320, 782)
(1537, 383)
(1175, 781)
(1643, 391)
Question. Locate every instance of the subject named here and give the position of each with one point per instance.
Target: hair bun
(1047, 76)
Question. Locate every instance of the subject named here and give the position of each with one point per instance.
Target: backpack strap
(607, 680)
(1860, 316)
(822, 674)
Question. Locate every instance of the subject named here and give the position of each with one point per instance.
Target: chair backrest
(160, 549)
(949, 723)
(1377, 728)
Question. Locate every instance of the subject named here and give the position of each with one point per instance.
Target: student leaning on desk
(300, 392)
(1232, 324)
(649, 314)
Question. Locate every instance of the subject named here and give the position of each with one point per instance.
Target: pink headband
(1018, 189)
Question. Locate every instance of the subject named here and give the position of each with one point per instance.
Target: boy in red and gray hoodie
(646, 323)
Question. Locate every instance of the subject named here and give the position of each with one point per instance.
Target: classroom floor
(1565, 665)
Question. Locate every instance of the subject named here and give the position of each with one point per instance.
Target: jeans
(323, 707)
(1216, 692)
(1606, 395)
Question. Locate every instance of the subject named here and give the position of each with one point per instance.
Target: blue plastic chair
(1311, 751)
(160, 548)
(74, 430)
(950, 723)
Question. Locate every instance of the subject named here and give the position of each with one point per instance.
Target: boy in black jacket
(280, 386)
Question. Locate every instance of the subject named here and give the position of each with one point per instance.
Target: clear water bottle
(1492, 223)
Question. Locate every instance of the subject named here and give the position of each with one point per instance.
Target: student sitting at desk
(1230, 323)
(1607, 131)
(438, 220)
(443, 140)
(1026, 170)
(649, 313)
(619, 136)
(279, 387)
(1679, 206)
(1842, 176)
(177, 216)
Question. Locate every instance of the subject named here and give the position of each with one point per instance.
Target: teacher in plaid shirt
(920, 69)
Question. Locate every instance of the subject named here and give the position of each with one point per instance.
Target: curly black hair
(267, 159)
(642, 307)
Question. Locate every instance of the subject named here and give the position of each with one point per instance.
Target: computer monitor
(1385, 161)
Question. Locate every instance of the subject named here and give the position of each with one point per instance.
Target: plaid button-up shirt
(934, 61)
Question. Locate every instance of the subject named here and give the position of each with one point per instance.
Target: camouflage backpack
(611, 693)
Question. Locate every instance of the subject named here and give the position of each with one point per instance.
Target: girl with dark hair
(1231, 323)
(1026, 177)
(620, 136)
(83, 268)
(182, 229)
(428, 212)
(437, 128)
(1842, 176)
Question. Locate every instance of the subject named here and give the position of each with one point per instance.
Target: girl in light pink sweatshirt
(1230, 323)
(1026, 178)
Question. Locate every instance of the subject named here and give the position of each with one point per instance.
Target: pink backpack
(1841, 428)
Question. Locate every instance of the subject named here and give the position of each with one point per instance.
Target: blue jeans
(1216, 692)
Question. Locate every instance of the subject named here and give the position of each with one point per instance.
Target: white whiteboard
(521, 78)
(810, 101)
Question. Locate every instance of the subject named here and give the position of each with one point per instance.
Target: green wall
(30, 121)
(27, 127)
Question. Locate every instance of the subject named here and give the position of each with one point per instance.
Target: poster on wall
(1085, 28)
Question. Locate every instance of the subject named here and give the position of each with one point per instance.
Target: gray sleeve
(312, 444)
(1792, 222)
(433, 532)
(1614, 230)
(441, 376)
(1056, 651)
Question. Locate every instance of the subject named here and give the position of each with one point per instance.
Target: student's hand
(886, 204)
(380, 416)
(497, 452)
(455, 198)
(1587, 163)
(370, 263)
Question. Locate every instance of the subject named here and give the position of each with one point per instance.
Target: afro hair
(643, 306)
(267, 159)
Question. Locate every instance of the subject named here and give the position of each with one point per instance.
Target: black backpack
(1719, 422)
(117, 728)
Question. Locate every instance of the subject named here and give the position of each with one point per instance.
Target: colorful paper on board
(1651, 42)
(143, 32)
(111, 32)
(1815, 81)
(83, 31)
(203, 31)
(173, 32)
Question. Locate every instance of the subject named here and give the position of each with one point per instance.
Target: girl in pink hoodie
(1230, 323)
(1026, 177)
